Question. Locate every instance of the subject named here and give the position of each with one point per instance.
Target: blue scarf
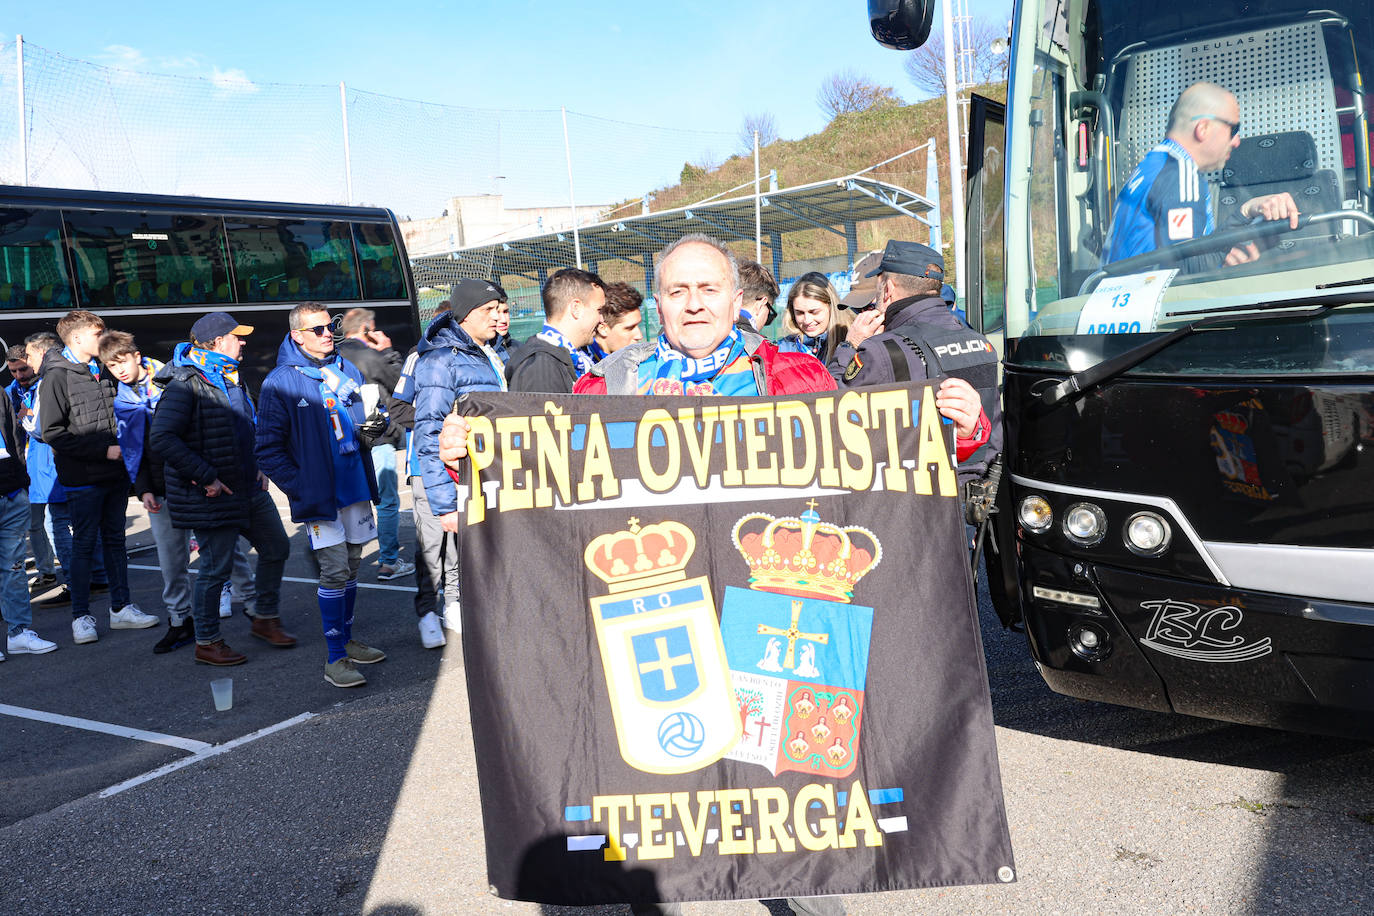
(727, 370)
(336, 391)
(217, 369)
(133, 407)
(581, 361)
(93, 365)
(594, 352)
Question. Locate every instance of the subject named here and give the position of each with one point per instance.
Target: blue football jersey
(1165, 201)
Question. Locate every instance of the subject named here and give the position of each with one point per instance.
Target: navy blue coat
(295, 443)
(450, 363)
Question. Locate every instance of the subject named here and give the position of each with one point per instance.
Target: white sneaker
(83, 630)
(453, 618)
(397, 570)
(432, 631)
(28, 643)
(131, 618)
(226, 602)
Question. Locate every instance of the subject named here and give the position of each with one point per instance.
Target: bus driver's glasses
(1234, 125)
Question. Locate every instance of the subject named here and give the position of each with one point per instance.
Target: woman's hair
(815, 285)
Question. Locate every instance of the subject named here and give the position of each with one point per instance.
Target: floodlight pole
(758, 206)
(572, 201)
(956, 178)
(348, 156)
(23, 126)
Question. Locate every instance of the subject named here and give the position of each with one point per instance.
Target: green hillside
(849, 143)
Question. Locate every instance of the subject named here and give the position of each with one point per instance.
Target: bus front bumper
(1205, 650)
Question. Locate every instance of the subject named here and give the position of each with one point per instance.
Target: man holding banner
(717, 755)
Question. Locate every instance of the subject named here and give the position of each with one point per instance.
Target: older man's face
(697, 300)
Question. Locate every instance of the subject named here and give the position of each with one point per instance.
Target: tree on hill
(847, 92)
(767, 130)
(925, 66)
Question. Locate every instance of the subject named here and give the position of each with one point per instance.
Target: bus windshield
(1163, 152)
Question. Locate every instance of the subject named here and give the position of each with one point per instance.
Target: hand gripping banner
(724, 648)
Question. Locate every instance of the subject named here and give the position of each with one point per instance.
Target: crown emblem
(805, 557)
(641, 557)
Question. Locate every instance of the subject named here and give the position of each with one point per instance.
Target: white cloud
(188, 62)
(233, 81)
(123, 56)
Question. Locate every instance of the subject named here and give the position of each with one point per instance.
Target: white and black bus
(1188, 503)
(151, 265)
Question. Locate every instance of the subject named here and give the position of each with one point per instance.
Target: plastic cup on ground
(222, 688)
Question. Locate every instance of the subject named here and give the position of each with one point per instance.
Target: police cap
(912, 259)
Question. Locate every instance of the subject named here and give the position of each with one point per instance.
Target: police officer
(912, 334)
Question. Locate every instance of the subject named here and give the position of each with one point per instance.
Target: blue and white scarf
(216, 368)
(727, 370)
(581, 361)
(93, 365)
(336, 390)
(594, 352)
(133, 407)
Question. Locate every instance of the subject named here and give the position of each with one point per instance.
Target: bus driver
(1166, 200)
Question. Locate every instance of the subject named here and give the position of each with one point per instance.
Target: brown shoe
(219, 654)
(268, 629)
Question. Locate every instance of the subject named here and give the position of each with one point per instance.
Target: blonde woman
(813, 322)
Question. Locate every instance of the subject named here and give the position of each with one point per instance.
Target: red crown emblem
(805, 557)
(641, 557)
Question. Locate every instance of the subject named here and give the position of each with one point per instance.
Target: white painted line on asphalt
(90, 725)
(205, 754)
(389, 588)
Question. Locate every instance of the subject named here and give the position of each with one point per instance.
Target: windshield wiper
(1093, 376)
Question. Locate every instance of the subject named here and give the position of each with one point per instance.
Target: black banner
(724, 648)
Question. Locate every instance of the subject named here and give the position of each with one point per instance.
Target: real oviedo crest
(669, 684)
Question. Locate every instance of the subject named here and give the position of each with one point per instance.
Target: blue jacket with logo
(449, 364)
(295, 440)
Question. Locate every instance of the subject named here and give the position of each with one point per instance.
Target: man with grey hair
(1166, 199)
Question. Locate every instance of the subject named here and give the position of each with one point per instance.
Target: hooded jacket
(76, 410)
(295, 440)
(450, 363)
(38, 457)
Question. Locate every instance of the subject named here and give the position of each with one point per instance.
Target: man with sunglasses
(760, 291)
(313, 441)
(1166, 200)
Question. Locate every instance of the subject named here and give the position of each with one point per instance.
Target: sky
(698, 65)
(691, 70)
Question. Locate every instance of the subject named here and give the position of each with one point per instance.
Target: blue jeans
(98, 508)
(14, 583)
(389, 508)
(267, 535)
(59, 528)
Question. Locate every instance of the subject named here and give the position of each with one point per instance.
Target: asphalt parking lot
(305, 798)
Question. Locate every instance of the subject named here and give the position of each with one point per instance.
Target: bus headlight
(1035, 513)
(1147, 534)
(1085, 524)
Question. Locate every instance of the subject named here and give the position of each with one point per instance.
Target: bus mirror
(901, 25)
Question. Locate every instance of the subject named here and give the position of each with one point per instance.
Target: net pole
(348, 156)
(572, 200)
(956, 184)
(758, 205)
(23, 126)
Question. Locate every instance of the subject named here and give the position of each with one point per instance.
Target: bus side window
(32, 271)
(145, 259)
(292, 260)
(382, 274)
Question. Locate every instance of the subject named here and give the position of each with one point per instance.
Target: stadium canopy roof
(836, 205)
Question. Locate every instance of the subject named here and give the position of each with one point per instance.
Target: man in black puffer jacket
(76, 410)
(204, 430)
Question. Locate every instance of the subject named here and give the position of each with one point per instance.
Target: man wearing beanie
(454, 356)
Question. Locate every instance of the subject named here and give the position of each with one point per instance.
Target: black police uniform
(923, 339)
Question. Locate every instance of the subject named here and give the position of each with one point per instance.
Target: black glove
(374, 427)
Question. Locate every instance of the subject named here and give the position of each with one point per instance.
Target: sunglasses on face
(1234, 125)
(318, 330)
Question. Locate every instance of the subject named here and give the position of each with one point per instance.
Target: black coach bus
(151, 265)
(1187, 517)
